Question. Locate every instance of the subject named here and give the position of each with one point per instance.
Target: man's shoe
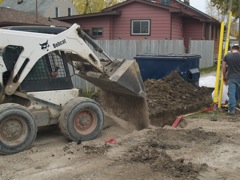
(231, 113)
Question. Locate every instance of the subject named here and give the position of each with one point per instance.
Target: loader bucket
(126, 79)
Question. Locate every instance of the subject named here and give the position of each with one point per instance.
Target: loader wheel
(18, 129)
(81, 119)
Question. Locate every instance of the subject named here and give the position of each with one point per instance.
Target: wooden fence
(128, 49)
(205, 49)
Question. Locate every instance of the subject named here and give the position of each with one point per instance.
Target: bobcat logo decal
(44, 45)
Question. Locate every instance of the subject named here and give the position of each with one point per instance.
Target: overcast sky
(199, 4)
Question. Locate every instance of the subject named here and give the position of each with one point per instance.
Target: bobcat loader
(36, 88)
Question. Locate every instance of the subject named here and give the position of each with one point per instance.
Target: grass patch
(211, 115)
(89, 94)
(208, 69)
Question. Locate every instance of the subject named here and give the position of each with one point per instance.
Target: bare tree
(213, 11)
(218, 14)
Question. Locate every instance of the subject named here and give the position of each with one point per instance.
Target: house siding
(95, 22)
(193, 30)
(63, 6)
(177, 28)
(160, 21)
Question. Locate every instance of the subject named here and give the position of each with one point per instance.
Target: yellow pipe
(225, 52)
(215, 99)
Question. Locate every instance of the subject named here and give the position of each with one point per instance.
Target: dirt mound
(160, 161)
(171, 96)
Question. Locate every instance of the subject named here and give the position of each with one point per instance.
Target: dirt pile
(171, 96)
(159, 161)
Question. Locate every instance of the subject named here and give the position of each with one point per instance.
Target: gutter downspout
(171, 21)
(111, 27)
(36, 11)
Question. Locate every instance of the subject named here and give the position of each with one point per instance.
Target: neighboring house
(45, 8)
(153, 20)
(232, 41)
(10, 17)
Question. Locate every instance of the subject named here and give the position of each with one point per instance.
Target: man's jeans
(234, 94)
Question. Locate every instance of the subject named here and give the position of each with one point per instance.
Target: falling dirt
(132, 109)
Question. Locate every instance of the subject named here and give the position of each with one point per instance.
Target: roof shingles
(10, 17)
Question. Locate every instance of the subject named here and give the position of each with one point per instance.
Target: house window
(97, 32)
(69, 11)
(140, 27)
(165, 2)
(57, 12)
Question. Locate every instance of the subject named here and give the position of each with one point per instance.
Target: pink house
(149, 19)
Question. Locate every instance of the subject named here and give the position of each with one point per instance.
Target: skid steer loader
(36, 88)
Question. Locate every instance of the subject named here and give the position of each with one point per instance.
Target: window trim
(141, 34)
(97, 28)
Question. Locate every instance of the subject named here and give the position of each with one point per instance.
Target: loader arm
(111, 74)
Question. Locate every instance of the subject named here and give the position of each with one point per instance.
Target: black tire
(81, 119)
(18, 128)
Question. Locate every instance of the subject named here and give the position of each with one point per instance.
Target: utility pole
(238, 21)
(227, 12)
(224, 10)
(226, 46)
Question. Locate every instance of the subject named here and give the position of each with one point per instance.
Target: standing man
(231, 76)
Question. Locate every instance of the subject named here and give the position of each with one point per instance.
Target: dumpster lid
(168, 55)
(194, 70)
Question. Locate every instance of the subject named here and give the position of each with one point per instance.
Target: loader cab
(51, 72)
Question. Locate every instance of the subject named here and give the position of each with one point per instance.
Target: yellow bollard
(215, 99)
(225, 52)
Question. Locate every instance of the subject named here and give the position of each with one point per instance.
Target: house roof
(141, 1)
(180, 11)
(206, 17)
(108, 13)
(111, 12)
(28, 6)
(200, 15)
(45, 8)
(12, 17)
